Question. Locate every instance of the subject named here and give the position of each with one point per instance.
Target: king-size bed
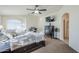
(27, 42)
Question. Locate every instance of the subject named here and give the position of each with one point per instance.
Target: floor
(66, 41)
(55, 46)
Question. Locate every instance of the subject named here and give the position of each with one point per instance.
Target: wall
(42, 21)
(32, 21)
(28, 20)
(0, 20)
(73, 25)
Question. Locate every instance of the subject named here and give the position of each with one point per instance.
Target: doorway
(66, 28)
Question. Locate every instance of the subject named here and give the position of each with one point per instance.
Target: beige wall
(42, 21)
(32, 21)
(29, 20)
(0, 20)
(73, 25)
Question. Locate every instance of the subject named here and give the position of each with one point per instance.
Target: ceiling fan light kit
(36, 11)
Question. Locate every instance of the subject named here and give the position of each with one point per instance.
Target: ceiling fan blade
(32, 12)
(40, 13)
(42, 9)
(30, 9)
(36, 5)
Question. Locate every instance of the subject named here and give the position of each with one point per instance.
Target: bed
(26, 42)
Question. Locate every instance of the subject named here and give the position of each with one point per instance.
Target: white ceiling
(21, 9)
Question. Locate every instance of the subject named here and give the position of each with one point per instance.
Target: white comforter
(7, 41)
(27, 38)
(35, 37)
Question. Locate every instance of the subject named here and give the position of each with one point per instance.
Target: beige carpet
(55, 46)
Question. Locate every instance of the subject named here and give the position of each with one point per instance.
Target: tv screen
(49, 19)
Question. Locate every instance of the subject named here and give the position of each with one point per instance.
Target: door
(66, 27)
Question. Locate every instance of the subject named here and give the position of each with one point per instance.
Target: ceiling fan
(36, 10)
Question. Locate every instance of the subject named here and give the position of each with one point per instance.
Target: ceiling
(21, 9)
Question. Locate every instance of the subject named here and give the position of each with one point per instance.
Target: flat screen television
(49, 19)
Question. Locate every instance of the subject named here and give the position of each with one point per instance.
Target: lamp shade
(1, 27)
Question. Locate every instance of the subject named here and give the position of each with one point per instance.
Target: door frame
(65, 18)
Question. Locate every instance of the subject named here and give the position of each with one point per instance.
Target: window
(15, 25)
